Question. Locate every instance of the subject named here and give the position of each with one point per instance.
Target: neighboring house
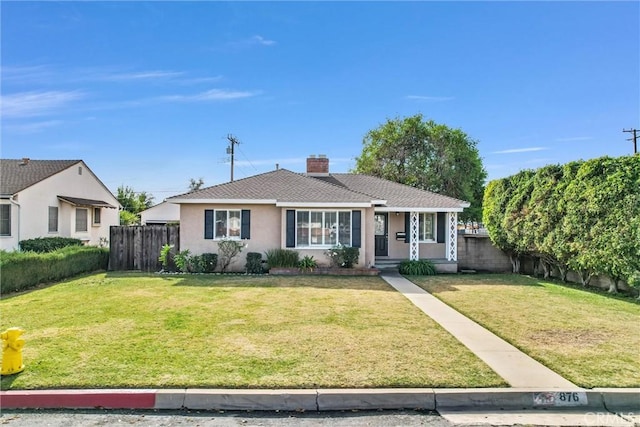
(161, 214)
(312, 212)
(47, 198)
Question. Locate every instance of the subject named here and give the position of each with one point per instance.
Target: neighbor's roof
(16, 175)
(283, 187)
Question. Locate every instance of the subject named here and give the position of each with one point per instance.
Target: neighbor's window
(227, 224)
(323, 228)
(81, 219)
(426, 229)
(5, 220)
(96, 216)
(53, 219)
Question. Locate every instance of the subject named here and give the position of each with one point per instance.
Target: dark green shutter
(245, 228)
(356, 229)
(208, 224)
(291, 229)
(407, 227)
(441, 226)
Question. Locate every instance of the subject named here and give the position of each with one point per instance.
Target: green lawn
(136, 330)
(589, 338)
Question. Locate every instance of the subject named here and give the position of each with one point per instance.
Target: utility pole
(233, 141)
(634, 138)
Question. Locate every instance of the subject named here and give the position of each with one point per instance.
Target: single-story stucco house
(53, 198)
(313, 211)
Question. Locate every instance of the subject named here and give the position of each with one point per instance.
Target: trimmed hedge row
(48, 244)
(22, 270)
(582, 216)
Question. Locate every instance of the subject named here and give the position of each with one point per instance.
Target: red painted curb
(67, 399)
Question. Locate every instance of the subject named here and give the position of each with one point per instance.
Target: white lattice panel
(452, 252)
(414, 248)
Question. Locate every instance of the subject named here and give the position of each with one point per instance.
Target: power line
(634, 138)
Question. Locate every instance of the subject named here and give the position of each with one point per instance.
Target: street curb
(487, 399)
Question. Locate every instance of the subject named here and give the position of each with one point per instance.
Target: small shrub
(254, 263)
(47, 244)
(183, 261)
(165, 256)
(343, 256)
(209, 262)
(228, 249)
(282, 258)
(421, 267)
(308, 263)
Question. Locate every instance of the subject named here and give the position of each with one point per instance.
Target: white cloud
(429, 98)
(28, 104)
(262, 41)
(520, 150)
(211, 95)
(33, 127)
(574, 139)
(141, 75)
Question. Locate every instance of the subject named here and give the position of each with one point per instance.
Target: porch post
(452, 236)
(414, 250)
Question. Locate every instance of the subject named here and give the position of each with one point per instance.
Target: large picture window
(323, 228)
(427, 227)
(5, 220)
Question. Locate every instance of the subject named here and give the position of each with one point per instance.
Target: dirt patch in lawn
(570, 338)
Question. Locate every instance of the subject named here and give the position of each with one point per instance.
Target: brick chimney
(317, 165)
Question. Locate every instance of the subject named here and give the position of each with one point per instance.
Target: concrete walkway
(517, 368)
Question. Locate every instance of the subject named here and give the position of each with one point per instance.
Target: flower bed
(326, 270)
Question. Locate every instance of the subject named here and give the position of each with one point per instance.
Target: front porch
(416, 234)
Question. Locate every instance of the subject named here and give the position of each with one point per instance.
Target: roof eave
(224, 201)
(324, 204)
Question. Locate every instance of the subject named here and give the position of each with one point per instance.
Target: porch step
(387, 263)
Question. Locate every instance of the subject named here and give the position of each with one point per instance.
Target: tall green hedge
(583, 216)
(22, 270)
(48, 244)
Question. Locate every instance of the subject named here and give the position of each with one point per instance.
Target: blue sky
(146, 92)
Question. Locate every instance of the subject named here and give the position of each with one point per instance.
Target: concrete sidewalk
(517, 368)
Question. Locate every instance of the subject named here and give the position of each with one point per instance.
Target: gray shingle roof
(285, 186)
(16, 176)
(396, 195)
(281, 185)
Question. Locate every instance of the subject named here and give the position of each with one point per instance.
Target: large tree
(426, 155)
(132, 203)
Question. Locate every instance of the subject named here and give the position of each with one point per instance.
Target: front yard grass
(137, 330)
(589, 338)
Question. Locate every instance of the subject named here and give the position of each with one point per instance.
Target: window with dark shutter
(245, 228)
(208, 224)
(291, 229)
(441, 226)
(356, 229)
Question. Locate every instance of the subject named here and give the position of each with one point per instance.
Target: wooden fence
(138, 247)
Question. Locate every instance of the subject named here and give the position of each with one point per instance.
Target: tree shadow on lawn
(451, 282)
(231, 280)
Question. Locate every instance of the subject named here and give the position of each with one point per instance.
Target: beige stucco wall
(265, 230)
(268, 231)
(31, 219)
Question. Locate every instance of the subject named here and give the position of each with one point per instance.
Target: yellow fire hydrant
(12, 351)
